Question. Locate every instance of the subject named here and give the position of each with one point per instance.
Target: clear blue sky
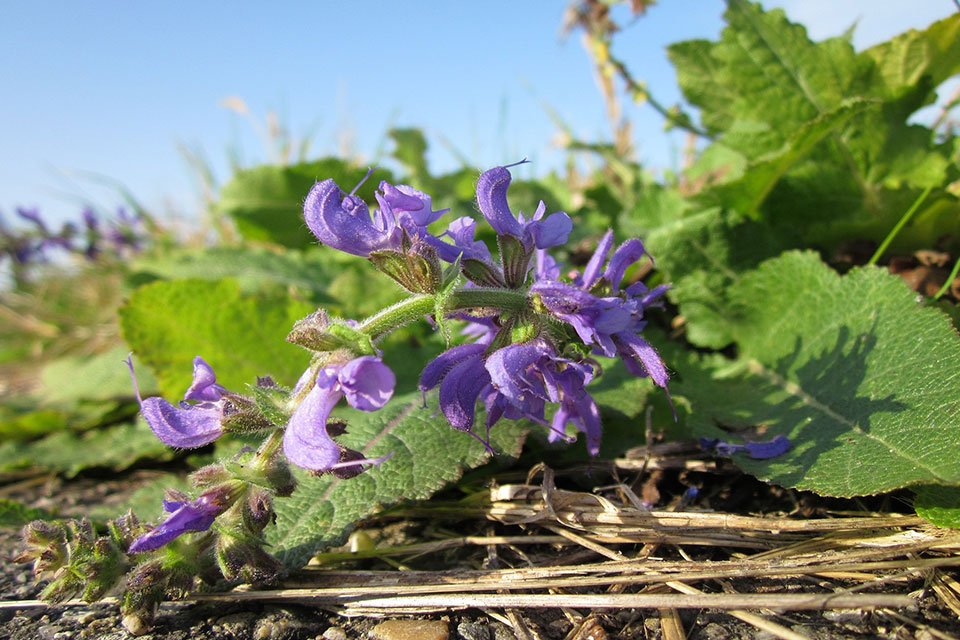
(110, 87)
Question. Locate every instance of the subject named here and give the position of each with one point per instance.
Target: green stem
(269, 448)
(415, 307)
(896, 229)
(950, 278)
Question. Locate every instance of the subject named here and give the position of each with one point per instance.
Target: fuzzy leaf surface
(858, 375)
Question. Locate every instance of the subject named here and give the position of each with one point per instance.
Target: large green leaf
(242, 336)
(918, 59)
(778, 99)
(427, 454)
(859, 376)
(113, 448)
(748, 193)
(267, 201)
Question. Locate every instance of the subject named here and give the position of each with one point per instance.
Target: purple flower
(514, 382)
(462, 232)
(366, 383)
(612, 323)
(187, 426)
(413, 208)
(530, 374)
(185, 516)
(462, 376)
(777, 446)
(537, 232)
(343, 221)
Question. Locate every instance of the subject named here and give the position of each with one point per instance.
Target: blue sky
(111, 87)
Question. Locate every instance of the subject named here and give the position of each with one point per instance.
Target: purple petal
(306, 442)
(641, 359)
(778, 446)
(546, 267)
(343, 221)
(492, 199)
(592, 271)
(197, 515)
(460, 390)
(508, 368)
(553, 231)
(411, 203)
(204, 386)
(367, 383)
(625, 255)
(184, 427)
(461, 231)
(437, 368)
(582, 411)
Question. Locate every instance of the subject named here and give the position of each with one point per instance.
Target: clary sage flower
(366, 383)
(187, 426)
(185, 516)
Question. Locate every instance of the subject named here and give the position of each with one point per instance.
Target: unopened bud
(417, 269)
(209, 475)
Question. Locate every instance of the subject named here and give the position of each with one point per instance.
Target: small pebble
(473, 631)
(334, 633)
(410, 630)
(47, 632)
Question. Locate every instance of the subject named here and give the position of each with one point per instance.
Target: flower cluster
(536, 337)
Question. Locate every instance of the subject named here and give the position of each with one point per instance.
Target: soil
(207, 621)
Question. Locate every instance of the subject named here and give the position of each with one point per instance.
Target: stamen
(507, 166)
(133, 376)
(364, 179)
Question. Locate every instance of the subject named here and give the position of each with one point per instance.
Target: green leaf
(851, 369)
(100, 377)
(748, 193)
(253, 268)
(17, 514)
(918, 59)
(241, 336)
(769, 93)
(938, 504)
(701, 255)
(266, 202)
(114, 448)
(427, 454)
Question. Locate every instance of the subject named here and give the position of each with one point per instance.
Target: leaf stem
(904, 219)
(950, 279)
